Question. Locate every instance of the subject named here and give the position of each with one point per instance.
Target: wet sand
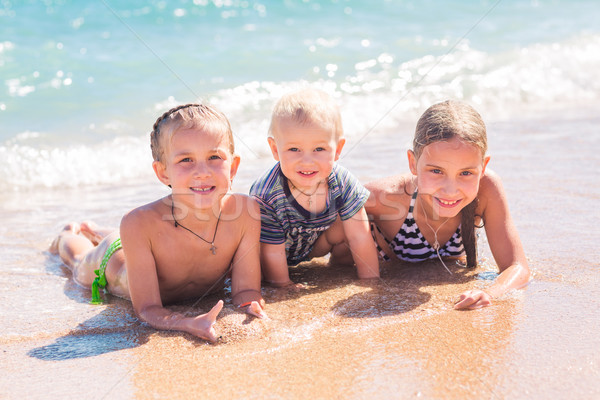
(398, 338)
(395, 338)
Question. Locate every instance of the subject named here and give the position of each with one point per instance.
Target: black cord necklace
(213, 248)
(306, 194)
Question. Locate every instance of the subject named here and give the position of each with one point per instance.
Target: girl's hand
(473, 299)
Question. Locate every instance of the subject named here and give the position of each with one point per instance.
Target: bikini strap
(380, 251)
(412, 205)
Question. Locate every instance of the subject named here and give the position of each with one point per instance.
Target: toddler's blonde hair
(307, 107)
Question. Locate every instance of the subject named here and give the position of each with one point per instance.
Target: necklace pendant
(213, 248)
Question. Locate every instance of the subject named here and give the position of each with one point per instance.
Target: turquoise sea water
(83, 81)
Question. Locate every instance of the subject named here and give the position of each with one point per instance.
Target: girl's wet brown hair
(187, 116)
(445, 121)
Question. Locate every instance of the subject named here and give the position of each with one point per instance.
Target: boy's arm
(504, 243)
(245, 268)
(143, 284)
(362, 246)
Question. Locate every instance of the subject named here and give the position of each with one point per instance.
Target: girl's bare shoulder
(390, 193)
(491, 191)
(395, 184)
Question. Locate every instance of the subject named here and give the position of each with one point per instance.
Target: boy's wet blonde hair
(188, 116)
(445, 121)
(307, 107)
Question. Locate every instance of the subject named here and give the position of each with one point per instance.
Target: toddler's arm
(274, 264)
(362, 247)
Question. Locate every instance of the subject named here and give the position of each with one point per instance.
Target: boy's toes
(71, 227)
(89, 229)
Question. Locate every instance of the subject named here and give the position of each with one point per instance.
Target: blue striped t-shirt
(283, 220)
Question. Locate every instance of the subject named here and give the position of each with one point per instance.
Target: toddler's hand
(289, 285)
(255, 309)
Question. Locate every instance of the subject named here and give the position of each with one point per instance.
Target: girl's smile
(448, 174)
(447, 203)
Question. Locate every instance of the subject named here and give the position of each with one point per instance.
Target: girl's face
(448, 175)
(199, 167)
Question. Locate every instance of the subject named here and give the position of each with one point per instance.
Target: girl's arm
(504, 243)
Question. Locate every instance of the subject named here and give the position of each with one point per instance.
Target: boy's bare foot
(93, 232)
(72, 228)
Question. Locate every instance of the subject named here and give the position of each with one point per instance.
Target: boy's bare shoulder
(240, 205)
(145, 215)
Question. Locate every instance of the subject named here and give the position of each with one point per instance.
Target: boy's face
(306, 153)
(198, 166)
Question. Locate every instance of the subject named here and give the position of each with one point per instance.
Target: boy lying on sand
(184, 245)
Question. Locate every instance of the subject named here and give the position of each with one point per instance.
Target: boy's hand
(203, 325)
(473, 299)
(255, 309)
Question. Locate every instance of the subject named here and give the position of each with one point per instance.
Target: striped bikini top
(409, 244)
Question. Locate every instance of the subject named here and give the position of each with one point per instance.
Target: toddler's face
(199, 166)
(448, 174)
(306, 152)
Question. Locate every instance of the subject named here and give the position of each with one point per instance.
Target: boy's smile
(306, 152)
(198, 164)
(203, 190)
